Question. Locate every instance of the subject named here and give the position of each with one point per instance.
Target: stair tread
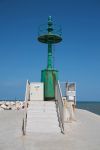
(42, 117)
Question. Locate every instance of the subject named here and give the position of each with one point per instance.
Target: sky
(77, 57)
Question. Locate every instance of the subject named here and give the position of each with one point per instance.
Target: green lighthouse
(49, 34)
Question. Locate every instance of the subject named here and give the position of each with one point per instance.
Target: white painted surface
(36, 91)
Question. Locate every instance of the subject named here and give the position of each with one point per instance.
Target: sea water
(90, 106)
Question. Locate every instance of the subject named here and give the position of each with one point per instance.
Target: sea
(90, 106)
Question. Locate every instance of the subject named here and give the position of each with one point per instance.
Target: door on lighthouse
(36, 91)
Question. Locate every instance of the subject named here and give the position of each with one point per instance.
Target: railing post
(60, 108)
(24, 122)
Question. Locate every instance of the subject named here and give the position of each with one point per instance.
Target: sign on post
(71, 91)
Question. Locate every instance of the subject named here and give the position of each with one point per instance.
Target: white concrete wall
(36, 91)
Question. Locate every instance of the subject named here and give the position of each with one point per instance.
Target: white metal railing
(59, 106)
(27, 98)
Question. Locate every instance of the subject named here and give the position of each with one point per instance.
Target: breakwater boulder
(12, 105)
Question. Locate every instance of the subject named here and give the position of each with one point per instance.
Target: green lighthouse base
(49, 78)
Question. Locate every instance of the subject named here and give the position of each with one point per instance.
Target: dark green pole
(50, 29)
(49, 66)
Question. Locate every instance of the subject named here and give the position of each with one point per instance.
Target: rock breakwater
(12, 105)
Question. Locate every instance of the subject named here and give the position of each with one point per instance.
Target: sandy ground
(82, 134)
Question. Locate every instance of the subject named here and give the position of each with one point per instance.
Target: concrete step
(42, 112)
(41, 130)
(41, 109)
(42, 117)
(41, 106)
(41, 123)
(36, 125)
(41, 103)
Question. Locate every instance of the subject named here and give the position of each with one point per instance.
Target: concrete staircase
(42, 117)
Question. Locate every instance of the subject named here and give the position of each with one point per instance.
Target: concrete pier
(82, 134)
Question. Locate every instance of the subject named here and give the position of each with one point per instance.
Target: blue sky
(77, 57)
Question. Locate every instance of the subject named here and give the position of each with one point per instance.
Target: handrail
(59, 106)
(27, 96)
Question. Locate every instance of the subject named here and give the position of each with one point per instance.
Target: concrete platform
(83, 134)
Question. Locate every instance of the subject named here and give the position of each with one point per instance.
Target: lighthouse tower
(49, 34)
